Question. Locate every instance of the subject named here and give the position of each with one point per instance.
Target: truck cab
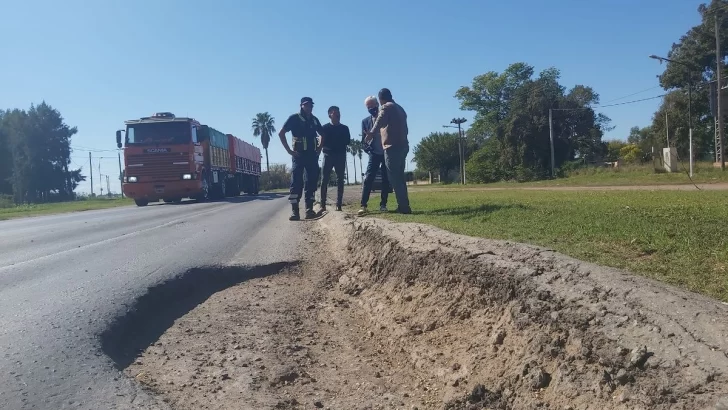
(163, 159)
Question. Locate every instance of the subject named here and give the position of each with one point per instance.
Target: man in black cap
(305, 152)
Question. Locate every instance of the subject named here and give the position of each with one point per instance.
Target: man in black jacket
(376, 163)
(336, 137)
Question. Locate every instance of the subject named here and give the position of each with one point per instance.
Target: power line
(633, 94)
(609, 105)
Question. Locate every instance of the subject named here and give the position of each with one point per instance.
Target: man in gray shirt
(376, 158)
(391, 123)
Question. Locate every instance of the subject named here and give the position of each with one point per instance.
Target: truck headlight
(132, 179)
(187, 176)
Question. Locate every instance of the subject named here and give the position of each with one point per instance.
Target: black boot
(309, 211)
(295, 213)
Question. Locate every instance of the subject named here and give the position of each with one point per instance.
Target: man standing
(336, 137)
(392, 125)
(373, 147)
(303, 126)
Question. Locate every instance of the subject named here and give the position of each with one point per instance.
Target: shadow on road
(155, 312)
(233, 200)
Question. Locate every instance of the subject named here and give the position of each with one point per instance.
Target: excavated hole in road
(507, 326)
(154, 312)
(419, 316)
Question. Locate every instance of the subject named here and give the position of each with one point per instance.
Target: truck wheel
(223, 188)
(141, 202)
(205, 194)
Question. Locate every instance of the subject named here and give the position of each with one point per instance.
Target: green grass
(679, 237)
(60, 207)
(703, 173)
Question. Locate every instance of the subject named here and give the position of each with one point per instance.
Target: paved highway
(64, 279)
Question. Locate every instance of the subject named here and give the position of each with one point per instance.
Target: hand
(293, 153)
(369, 137)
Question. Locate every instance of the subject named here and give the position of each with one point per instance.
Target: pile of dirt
(508, 326)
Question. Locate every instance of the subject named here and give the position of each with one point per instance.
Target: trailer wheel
(141, 202)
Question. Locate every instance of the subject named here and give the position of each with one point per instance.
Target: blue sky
(106, 61)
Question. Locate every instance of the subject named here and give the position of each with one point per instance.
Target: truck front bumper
(154, 191)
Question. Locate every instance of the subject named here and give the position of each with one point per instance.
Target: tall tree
(512, 108)
(351, 149)
(438, 152)
(264, 127)
(39, 144)
(696, 49)
(6, 158)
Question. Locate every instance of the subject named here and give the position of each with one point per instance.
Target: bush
(278, 177)
(6, 201)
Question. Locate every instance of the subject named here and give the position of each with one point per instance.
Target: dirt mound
(507, 326)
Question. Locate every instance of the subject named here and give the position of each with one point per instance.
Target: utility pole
(461, 151)
(91, 172)
(690, 119)
(719, 96)
(551, 140)
(121, 177)
(667, 132)
(108, 187)
(690, 68)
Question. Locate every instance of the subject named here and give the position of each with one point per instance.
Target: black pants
(376, 163)
(338, 163)
(306, 162)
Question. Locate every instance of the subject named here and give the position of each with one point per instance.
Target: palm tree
(351, 149)
(359, 152)
(264, 127)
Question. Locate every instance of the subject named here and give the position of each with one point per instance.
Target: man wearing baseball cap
(304, 127)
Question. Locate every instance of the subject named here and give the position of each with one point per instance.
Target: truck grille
(158, 167)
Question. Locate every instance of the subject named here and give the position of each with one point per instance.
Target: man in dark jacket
(376, 164)
(336, 138)
(304, 126)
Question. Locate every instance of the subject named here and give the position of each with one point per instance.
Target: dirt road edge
(527, 326)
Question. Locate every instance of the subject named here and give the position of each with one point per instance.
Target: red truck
(170, 158)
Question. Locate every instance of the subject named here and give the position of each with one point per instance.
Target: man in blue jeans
(305, 153)
(376, 158)
(392, 125)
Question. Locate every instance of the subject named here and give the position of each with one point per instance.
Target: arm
(320, 131)
(282, 136)
(382, 118)
(347, 137)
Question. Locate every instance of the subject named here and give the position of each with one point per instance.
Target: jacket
(392, 125)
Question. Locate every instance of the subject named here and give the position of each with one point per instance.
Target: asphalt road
(65, 279)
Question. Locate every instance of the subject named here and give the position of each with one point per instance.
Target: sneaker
(310, 214)
(338, 208)
(362, 211)
(383, 208)
(295, 216)
(323, 207)
(404, 210)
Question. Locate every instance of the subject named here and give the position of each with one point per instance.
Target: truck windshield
(173, 132)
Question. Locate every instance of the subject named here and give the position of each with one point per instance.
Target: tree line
(509, 138)
(695, 64)
(35, 155)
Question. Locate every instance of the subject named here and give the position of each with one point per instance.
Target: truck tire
(222, 193)
(141, 202)
(205, 194)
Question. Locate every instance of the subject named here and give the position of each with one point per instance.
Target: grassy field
(703, 173)
(60, 207)
(679, 237)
